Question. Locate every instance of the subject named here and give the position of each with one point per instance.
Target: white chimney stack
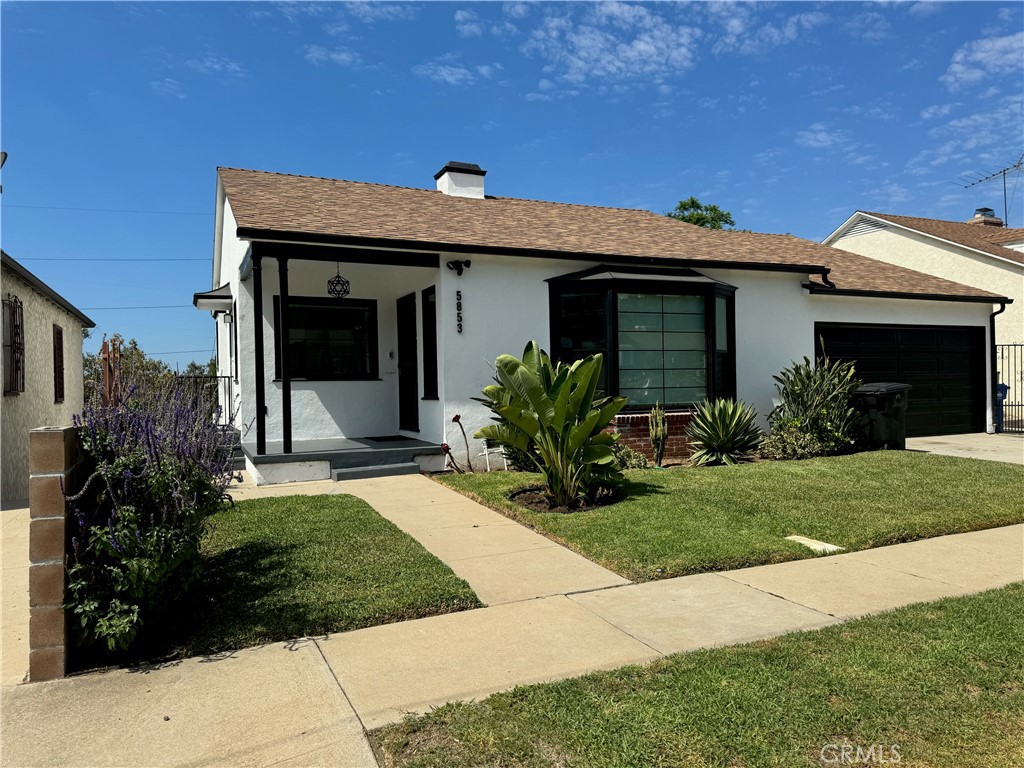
(461, 180)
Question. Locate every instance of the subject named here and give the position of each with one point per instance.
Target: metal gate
(1009, 404)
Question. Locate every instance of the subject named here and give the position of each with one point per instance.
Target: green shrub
(723, 432)
(554, 411)
(628, 458)
(161, 468)
(814, 416)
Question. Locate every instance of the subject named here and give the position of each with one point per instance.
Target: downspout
(825, 280)
(993, 372)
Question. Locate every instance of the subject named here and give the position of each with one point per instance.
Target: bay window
(668, 340)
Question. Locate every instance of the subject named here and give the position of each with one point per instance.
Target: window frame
(58, 364)
(295, 305)
(612, 287)
(13, 345)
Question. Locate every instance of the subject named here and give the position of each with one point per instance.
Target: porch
(342, 458)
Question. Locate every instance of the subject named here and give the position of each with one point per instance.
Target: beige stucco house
(41, 368)
(980, 252)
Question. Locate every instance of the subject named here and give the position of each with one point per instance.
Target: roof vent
(986, 217)
(461, 180)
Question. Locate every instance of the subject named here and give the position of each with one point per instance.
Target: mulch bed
(533, 498)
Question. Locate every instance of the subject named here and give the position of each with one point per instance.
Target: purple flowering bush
(161, 468)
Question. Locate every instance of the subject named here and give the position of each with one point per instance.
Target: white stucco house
(355, 320)
(41, 368)
(979, 252)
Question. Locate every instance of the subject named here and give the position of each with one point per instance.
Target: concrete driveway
(1004, 447)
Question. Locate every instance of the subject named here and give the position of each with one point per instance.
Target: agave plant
(552, 414)
(724, 432)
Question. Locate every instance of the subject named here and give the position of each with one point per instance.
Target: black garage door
(944, 364)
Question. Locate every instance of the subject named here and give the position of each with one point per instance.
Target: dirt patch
(533, 498)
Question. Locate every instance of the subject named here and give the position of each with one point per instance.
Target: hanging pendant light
(338, 286)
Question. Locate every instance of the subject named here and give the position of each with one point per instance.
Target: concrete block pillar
(53, 460)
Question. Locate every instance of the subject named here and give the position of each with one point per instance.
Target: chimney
(986, 217)
(461, 180)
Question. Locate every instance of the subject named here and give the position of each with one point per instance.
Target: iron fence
(1009, 403)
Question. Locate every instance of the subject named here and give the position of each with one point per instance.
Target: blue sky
(790, 115)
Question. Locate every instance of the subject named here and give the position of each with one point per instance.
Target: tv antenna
(1018, 166)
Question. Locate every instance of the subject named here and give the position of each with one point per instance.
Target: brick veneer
(635, 432)
(53, 463)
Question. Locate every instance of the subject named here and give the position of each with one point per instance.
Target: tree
(708, 216)
(209, 368)
(136, 367)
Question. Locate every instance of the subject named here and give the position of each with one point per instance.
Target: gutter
(814, 288)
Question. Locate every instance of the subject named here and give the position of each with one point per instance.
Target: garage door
(944, 364)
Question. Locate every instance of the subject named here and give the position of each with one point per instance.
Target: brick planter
(635, 432)
(54, 462)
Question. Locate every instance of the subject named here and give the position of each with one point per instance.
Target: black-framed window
(328, 339)
(58, 364)
(429, 310)
(13, 345)
(665, 341)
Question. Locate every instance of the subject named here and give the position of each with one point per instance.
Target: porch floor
(345, 452)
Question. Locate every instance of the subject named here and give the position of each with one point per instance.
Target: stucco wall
(924, 254)
(35, 407)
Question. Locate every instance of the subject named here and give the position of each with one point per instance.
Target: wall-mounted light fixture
(338, 286)
(458, 266)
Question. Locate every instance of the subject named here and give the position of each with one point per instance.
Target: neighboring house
(42, 367)
(434, 284)
(980, 252)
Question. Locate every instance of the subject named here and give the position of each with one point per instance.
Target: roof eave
(940, 239)
(271, 235)
(39, 286)
(814, 288)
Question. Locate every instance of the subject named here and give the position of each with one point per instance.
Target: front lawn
(681, 521)
(938, 684)
(281, 568)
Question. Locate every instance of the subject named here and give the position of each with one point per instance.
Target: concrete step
(380, 470)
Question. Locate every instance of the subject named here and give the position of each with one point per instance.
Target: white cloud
(819, 135)
(747, 34)
(318, 54)
(924, 8)
(613, 41)
(516, 10)
(370, 12)
(976, 141)
(936, 110)
(468, 24)
(980, 59)
(881, 112)
(168, 87)
(871, 27)
(213, 64)
(449, 70)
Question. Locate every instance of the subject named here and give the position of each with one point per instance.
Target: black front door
(408, 375)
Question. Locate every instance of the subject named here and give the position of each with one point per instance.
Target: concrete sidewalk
(306, 702)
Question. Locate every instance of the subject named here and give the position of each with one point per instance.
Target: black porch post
(261, 398)
(286, 377)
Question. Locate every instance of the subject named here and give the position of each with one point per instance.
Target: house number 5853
(458, 311)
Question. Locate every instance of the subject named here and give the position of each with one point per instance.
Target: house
(42, 367)
(355, 320)
(979, 252)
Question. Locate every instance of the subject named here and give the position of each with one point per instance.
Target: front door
(408, 374)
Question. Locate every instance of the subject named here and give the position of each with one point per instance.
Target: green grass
(944, 682)
(681, 521)
(286, 567)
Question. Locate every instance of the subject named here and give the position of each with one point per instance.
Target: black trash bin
(883, 407)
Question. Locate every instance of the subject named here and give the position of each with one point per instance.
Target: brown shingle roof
(978, 236)
(348, 210)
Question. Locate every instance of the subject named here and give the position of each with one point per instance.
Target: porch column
(286, 377)
(261, 395)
